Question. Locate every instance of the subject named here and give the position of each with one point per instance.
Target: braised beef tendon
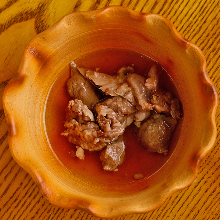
(97, 123)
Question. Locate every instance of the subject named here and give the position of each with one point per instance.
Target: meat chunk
(88, 136)
(124, 90)
(77, 110)
(164, 102)
(108, 122)
(141, 93)
(112, 116)
(152, 82)
(123, 110)
(156, 133)
(143, 89)
(140, 116)
(107, 83)
(161, 101)
(81, 88)
(119, 105)
(81, 128)
(113, 85)
(113, 155)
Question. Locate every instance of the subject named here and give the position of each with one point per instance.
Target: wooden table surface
(21, 20)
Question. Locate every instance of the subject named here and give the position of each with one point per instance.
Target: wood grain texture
(20, 20)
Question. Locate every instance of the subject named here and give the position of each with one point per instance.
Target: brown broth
(137, 159)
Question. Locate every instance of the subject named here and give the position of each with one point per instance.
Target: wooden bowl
(35, 100)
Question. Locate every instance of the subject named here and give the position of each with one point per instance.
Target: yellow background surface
(21, 20)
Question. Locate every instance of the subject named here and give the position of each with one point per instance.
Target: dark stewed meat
(164, 102)
(81, 88)
(113, 155)
(141, 93)
(140, 116)
(114, 115)
(97, 123)
(88, 136)
(156, 132)
(153, 80)
(124, 110)
(108, 122)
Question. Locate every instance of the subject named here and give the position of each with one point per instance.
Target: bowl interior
(137, 159)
